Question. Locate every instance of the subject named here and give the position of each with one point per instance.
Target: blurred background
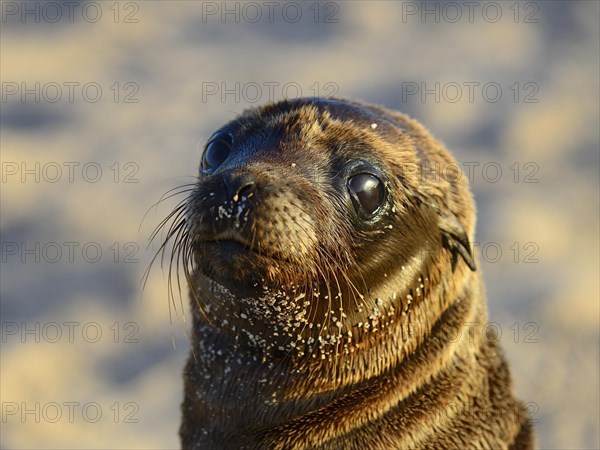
(106, 104)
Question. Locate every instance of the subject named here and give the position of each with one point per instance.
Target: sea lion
(332, 282)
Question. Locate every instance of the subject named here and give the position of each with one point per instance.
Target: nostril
(244, 191)
(238, 185)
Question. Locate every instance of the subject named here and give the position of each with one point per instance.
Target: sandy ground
(104, 106)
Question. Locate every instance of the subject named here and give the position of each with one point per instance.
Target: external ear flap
(454, 238)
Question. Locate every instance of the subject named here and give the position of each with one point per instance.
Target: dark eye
(216, 152)
(366, 191)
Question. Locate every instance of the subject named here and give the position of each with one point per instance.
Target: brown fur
(330, 333)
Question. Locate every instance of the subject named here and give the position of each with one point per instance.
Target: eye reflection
(366, 191)
(216, 152)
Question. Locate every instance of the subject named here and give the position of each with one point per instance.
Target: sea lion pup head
(317, 227)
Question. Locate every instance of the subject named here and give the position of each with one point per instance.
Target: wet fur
(390, 362)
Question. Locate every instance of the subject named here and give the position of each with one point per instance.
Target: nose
(238, 185)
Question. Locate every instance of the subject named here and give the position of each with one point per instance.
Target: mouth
(227, 248)
(230, 246)
(231, 254)
(233, 264)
